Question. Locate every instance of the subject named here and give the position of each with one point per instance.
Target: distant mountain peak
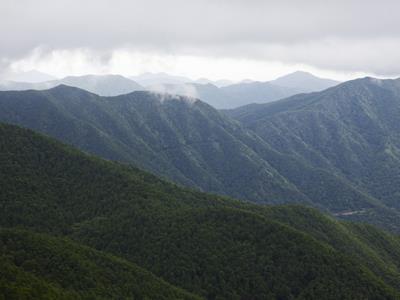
(304, 81)
(299, 74)
(96, 77)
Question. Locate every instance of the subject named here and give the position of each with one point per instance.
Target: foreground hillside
(37, 266)
(212, 246)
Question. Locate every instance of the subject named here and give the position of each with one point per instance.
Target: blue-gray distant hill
(104, 85)
(304, 82)
(243, 93)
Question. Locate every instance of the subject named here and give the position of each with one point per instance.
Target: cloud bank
(344, 36)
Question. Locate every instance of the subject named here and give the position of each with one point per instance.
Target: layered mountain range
(220, 94)
(335, 150)
(239, 94)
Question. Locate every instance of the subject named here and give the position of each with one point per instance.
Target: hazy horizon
(16, 76)
(234, 40)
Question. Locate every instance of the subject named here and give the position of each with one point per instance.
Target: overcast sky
(232, 39)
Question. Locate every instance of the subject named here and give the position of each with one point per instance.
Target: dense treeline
(212, 246)
(36, 266)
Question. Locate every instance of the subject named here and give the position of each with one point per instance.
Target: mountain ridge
(105, 85)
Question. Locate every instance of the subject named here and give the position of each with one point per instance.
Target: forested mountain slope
(351, 130)
(38, 266)
(181, 138)
(212, 246)
(193, 144)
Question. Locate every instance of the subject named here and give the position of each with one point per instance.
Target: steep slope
(105, 85)
(181, 138)
(351, 130)
(304, 82)
(37, 266)
(215, 247)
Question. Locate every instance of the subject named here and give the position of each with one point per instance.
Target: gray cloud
(351, 35)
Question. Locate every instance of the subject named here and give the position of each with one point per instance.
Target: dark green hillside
(375, 248)
(234, 253)
(214, 247)
(37, 266)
